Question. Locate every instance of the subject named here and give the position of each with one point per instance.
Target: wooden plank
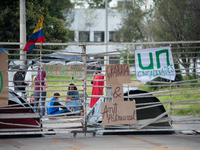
(63, 115)
(22, 125)
(63, 125)
(58, 121)
(19, 115)
(17, 130)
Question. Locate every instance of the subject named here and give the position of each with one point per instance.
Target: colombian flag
(36, 37)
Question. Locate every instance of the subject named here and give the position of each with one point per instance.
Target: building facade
(89, 27)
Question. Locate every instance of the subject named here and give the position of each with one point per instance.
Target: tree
(176, 20)
(62, 9)
(127, 56)
(136, 27)
(133, 27)
(54, 28)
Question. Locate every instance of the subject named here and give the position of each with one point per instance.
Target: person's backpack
(19, 77)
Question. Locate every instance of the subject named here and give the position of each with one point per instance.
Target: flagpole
(40, 81)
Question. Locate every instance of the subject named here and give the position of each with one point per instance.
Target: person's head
(22, 71)
(72, 87)
(43, 75)
(17, 74)
(98, 69)
(56, 95)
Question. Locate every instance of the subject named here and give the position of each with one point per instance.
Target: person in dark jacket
(55, 110)
(18, 81)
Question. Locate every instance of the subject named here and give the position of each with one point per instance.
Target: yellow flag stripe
(39, 25)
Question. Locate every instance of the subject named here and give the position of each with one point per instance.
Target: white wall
(96, 19)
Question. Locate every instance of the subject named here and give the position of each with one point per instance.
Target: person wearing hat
(18, 81)
(97, 88)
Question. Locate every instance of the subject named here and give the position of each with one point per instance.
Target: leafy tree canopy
(54, 22)
(134, 25)
(176, 20)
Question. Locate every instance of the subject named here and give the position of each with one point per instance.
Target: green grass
(181, 96)
(59, 84)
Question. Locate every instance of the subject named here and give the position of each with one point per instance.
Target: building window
(71, 36)
(98, 36)
(114, 60)
(84, 36)
(112, 36)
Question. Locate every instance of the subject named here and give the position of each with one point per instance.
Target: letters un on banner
(154, 62)
(63, 70)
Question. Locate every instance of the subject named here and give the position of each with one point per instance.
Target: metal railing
(166, 91)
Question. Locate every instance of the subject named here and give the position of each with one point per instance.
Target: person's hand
(70, 110)
(27, 83)
(68, 98)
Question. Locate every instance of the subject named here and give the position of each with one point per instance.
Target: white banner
(154, 62)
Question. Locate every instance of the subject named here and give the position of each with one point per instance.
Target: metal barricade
(157, 97)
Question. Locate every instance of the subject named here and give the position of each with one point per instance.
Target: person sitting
(55, 110)
(73, 94)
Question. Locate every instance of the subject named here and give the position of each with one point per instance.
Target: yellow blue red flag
(36, 37)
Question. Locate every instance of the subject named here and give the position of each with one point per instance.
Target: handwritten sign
(63, 70)
(3, 79)
(119, 73)
(117, 91)
(114, 113)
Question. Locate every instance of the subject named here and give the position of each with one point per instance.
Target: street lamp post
(22, 32)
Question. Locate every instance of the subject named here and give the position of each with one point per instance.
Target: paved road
(181, 140)
(177, 141)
